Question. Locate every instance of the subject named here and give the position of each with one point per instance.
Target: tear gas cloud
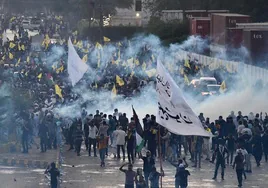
(242, 97)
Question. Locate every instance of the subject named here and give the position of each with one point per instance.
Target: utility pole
(101, 22)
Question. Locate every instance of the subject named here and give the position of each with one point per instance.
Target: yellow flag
(98, 46)
(75, 33)
(17, 64)
(114, 92)
(4, 57)
(39, 76)
(10, 55)
(132, 74)
(186, 80)
(85, 58)
(19, 47)
(119, 81)
(150, 73)
(130, 62)
(28, 59)
(144, 66)
(79, 44)
(11, 45)
(60, 69)
(106, 39)
(58, 91)
(137, 62)
(223, 87)
(187, 63)
(22, 47)
(153, 59)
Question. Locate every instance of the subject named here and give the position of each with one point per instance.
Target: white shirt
(92, 132)
(120, 137)
(248, 130)
(240, 128)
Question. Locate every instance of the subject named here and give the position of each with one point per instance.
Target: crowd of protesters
(234, 141)
(30, 76)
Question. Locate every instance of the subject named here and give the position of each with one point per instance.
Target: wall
(253, 72)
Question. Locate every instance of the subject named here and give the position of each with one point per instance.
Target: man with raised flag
(139, 132)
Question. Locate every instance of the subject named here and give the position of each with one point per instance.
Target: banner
(173, 111)
(76, 67)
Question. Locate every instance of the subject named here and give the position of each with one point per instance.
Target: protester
(239, 164)
(183, 176)
(102, 146)
(54, 174)
(148, 164)
(154, 177)
(220, 154)
(92, 141)
(120, 136)
(78, 138)
(130, 175)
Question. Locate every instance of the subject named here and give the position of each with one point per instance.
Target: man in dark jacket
(43, 134)
(146, 126)
(148, 164)
(220, 154)
(78, 138)
(123, 121)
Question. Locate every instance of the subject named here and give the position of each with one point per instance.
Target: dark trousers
(118, 151)
(266, 155)
(54, 185)
(78, 146)
(92, 142)
(52, 141)
(130, 154)
(239, 173)
(258, 157)
(43, 144)
(218, 164)
(25, 143)
(230, 156)
(87, 142)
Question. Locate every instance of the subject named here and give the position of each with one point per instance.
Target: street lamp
(137, 15)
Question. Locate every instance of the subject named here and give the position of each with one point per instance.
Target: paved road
(85, 172)
(14, 177)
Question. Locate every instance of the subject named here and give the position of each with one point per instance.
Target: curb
(24, 163)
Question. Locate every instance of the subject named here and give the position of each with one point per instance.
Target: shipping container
(195, 13)
(200, 26)
(221, 22)
(234, 37)
(216, 11)
(256, 41)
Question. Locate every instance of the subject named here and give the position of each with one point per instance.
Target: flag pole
(160, 156)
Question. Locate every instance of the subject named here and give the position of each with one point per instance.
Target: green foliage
(171, 32)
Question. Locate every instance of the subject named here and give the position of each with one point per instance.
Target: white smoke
(242, 97)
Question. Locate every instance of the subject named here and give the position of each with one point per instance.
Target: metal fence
(252, 72)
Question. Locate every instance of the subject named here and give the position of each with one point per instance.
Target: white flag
(173, 111)
(76, 67)
(4, 38)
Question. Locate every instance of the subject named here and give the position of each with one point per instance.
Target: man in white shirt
(120, 136)
(92, 138)
(240, 127)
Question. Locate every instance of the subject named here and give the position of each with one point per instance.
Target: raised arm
(121, 168)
